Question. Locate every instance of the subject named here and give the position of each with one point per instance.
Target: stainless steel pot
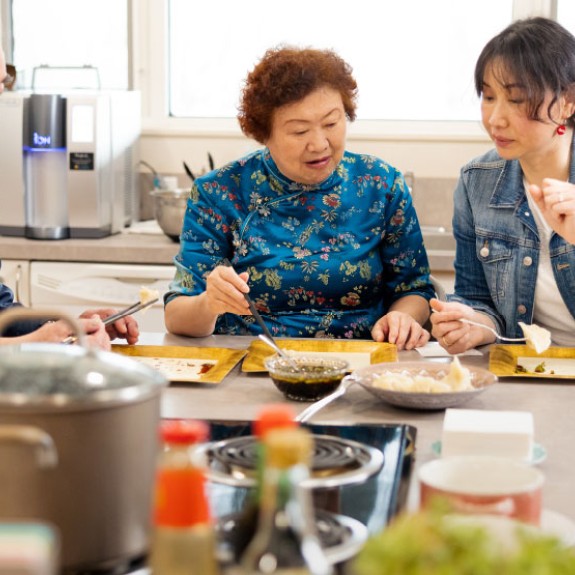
(170, 209)
(92, 418)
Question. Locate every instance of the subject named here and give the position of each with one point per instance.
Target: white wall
(426, 155)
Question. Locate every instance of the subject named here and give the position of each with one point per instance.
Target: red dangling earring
(561, 129)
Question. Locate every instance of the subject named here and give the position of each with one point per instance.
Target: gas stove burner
(134, 566)
(331, 455)
(341, 537)
(372, 494)
(335, 461)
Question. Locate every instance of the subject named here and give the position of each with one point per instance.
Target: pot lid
(49, 374)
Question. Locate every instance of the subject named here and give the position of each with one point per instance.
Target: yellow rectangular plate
(186, 364)
(557, 362)
(357, 352)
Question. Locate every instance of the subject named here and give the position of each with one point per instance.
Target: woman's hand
(196, 316)
(96, 333)
(50, 332)
(225, 291)
(124, 328)
(456, 336)
(401, 329)
(556, 200)
(58, 331)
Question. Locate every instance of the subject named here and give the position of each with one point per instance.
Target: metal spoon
(269, 341)
(310, 411)
(494, 332)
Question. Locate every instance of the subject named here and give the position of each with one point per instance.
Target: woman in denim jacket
(514, 207)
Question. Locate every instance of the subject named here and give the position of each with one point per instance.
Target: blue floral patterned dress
(324, 261)
(18, 327)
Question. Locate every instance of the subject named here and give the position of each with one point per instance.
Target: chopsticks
(130, 310)
(138, 306)
(258, 317)
(252, 307)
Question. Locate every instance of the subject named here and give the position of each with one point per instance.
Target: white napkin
(433, 349)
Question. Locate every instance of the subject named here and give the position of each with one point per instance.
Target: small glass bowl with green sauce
(310, 379)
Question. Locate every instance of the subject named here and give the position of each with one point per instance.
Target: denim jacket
(497, 244)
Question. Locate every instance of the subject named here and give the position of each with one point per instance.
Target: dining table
(240, 395)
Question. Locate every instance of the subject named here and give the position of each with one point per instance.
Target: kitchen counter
(157, 248)
(126, 247)
(240, 396)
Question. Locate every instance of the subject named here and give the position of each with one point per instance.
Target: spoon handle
(310, 411)
(271, 342)
(495, 333)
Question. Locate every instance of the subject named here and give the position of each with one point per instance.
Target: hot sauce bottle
(183, 539)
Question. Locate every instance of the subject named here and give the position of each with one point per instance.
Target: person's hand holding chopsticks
(125, 327)
(226, 290)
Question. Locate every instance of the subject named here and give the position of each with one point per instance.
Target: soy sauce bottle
(285, 541)
(274, 416)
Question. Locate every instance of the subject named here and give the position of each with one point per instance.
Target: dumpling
(458, 377)
(538, 338)
(147, 294)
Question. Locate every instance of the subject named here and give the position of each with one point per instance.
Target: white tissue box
(497, 433)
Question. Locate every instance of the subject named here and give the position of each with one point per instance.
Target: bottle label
(181, 498)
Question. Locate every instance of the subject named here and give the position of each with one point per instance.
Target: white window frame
(150, 75)
(428, 149)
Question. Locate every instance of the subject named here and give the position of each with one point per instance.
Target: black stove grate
(330, 455)
(373, 502)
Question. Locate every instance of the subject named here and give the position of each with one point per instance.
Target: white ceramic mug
(484, 485)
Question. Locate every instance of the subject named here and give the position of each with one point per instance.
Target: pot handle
(17, 313)
(46, 453)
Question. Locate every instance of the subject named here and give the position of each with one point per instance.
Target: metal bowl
(169, 210)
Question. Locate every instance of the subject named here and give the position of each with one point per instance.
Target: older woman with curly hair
(326, 242)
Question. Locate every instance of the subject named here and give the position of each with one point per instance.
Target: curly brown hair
(288, 74)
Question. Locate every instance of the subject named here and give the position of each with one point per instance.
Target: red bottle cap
(184, 431)
(273, 416)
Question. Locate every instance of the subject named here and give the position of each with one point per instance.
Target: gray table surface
(240, 396)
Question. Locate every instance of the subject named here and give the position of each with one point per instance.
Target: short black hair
(536, 52)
